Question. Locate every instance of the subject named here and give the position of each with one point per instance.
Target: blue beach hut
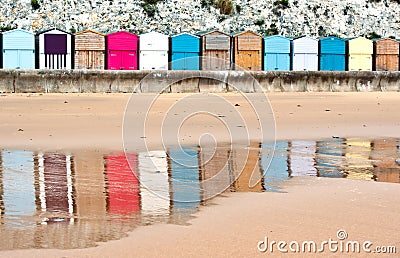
(18, 49)
(276, 53)
(332, 54)
(185, 178)
(185, 52)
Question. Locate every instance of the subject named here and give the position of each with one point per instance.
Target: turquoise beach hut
(185, 52)
(276, 53)
(185, 179)
(18, 49)
(332, 54)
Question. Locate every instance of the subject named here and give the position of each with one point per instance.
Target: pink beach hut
(122, 49)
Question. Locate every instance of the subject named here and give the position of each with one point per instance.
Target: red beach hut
(123, 185)
(122, 49)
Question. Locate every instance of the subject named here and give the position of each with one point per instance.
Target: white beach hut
(305, 54)
(153, 47)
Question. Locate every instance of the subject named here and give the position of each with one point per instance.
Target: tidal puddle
(73, 200)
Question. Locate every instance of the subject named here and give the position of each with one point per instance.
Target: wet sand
(311, 209)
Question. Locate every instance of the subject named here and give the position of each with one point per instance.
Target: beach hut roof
(329, 37)
(206, 32)
(238, 33)
(92, 31)
(276, 36)
(185, 33)
(14, 30)
(304, 36)
(47, 30)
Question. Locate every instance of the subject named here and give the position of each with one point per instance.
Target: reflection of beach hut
(332, 54)
(274, 168)
(215, 176)
(386, 54)
(154, 48)
(384, 154)
(246, 168)
(154, 184)
(185, 183)
(18, 49)
(18, 188)
(305, 54)
(358, 165)
(360, 52)
(89, 50)
(302, 158)
(329, 158)
(122, 185)
(122, 51)
(55, 49)
(55, 184)
(276, 53)
(185, 52)
(216, 50)
(90, 187)
(247, 48)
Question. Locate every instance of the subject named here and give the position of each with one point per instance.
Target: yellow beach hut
(360, 54)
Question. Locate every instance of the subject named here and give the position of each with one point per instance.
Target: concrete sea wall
(85, 81)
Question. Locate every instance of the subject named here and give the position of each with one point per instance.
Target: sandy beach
(309, 209)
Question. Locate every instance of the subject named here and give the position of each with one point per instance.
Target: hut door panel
(53, 61)
(298, 62)
(360, 63)
(216, 60)
(178, 61)
(26, 59)
(192, 61)
(271, 62)
(114, 60)
(128, 61)
(311, 62)
(11, 58)
(387, 62)
(249, 60)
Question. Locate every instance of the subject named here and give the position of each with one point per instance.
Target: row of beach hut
(210, 50)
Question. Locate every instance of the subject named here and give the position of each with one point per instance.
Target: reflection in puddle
(73, 200)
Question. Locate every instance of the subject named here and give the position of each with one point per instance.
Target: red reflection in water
(123, 185)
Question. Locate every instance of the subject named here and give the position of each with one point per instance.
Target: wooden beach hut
(154, 184)
(247, 48)
(185, 181)
(276, 53)
(185, 52)
(18, 49)
(245, 163)
(215, 50)
(154, 48)
(276, 169)
(332, 54)
(305, 54)
(302, 158)
(384, 153)
(55, 49)
(90, 187)
(122, 51)
(386, 54)
(17, 189)
(89, 50)
(215, 175)
(360, 52)
(122, 184)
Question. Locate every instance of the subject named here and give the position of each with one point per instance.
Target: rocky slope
(312, 17)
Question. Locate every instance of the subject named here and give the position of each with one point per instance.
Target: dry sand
(312, 209)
